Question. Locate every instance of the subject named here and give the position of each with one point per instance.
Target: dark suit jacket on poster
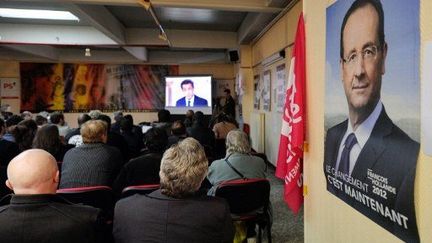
(381, 185)
(49, 219)
(159, 218)
(198, 101)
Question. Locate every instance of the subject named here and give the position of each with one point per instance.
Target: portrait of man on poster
(369, 162)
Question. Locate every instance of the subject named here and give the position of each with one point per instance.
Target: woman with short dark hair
(48, 139)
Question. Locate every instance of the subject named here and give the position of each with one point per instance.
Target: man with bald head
(33, 176)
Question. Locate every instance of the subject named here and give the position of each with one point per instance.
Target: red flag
(290, 158)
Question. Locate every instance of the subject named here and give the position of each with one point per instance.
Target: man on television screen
(190, 98)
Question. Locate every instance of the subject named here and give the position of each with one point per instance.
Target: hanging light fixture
(87, 52)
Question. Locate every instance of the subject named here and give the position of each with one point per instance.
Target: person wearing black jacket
(36, 214)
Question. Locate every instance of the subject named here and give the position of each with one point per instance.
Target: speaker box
(233, 56)
(282, 53)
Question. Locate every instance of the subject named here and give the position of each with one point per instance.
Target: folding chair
(140, 189)
(249, 201)
(97, 196)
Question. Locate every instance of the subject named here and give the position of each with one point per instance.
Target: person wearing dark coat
(94, 163)
(115, 139)
(200, 131)
(36, 214)
(176, 212)
(145, 168)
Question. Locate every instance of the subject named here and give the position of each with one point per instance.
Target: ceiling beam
(138, 52)
(114, 56)
(182, 57)
(47, 52)
(83, 35)
(52, 34)
(226, 5)
(101, 19)
(183, 38)
(252, 25)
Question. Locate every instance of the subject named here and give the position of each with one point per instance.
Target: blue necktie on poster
(344, 163)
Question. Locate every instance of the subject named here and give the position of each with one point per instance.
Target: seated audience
(48, 139)
(114, 139)
(35, 213)
(94, 114)
(24, 134)
(200, 131)
(57, 118)
(189, 118)
(133, 140)
(8, 149)
(243, 164)
(118, 116)
(11, 122)
(164, 121)
(94, 163)
(40, 120)
(224, 124)
(135, 129)
(26, 115)
(175, 213)
(74, 136)
(178, 133)
(145, 168)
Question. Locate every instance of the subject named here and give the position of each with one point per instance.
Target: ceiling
(124, 31)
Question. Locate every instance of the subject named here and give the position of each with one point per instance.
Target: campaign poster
(81, 87)
(426, 105)
(257, 92)
(280, 87)
(372, 110)
(266, 93)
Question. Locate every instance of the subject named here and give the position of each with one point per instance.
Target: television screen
(184, 93)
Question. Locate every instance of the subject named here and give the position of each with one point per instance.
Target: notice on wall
(9, 88)
(280, 87)
(266, 93)
(221, 85)
(426, 103)
(257, 92)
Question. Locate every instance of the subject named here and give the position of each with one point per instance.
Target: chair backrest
(219, 149)
(246, 128)
(4, 190)
(97, 196)
(244, 196)
(140, 189)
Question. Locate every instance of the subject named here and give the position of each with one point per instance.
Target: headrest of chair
(142, 187)
(245, 195)
(242, 181)
(84, 189)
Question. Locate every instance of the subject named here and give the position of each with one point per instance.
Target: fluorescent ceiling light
(36, 14)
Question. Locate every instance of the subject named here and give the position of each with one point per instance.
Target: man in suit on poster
(190, 99)
(369, 162)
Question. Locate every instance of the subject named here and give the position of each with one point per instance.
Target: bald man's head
(33, 171)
